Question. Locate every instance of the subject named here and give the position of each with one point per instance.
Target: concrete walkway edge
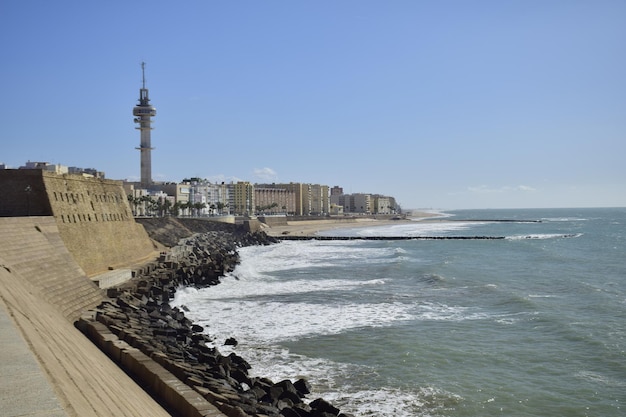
(24, 389)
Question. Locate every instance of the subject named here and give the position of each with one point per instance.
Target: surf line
(287, 237)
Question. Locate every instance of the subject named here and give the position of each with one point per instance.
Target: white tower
(143, 112)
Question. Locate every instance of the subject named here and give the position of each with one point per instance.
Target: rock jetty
(163, 350)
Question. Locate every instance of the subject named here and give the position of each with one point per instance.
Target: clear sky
(441, 104)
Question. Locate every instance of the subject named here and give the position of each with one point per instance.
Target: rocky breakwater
(138, 328)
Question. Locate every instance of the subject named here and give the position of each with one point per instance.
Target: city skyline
(238, 198)
(442, 105)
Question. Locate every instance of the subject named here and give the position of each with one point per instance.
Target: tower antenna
(143, 75)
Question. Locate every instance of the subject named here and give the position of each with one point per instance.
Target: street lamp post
(28, 190)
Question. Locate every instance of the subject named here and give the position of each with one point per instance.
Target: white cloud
(526, 188)
(264, 174)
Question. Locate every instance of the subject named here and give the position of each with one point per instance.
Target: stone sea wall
(138, 328)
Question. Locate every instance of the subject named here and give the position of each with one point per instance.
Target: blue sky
(442, 104)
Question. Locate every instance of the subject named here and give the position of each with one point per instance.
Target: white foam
(246, 287)
(442, 312)
(512, 318)
(267, 322)
(563, 219)
(413, 229)
(262, 311)
(289, 255)
(600, 379)
(421, 402)
(337, 382)
(260, 326)
(542, 236)
(262, 322)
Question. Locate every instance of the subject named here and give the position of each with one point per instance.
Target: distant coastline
(312, 227)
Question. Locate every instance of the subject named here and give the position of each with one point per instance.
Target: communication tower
(143, 113)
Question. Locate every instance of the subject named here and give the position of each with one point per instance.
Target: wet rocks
(231, 341)
(140, 315)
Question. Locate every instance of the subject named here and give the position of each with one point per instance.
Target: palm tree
(176, 208)
(148, 204)
(221, 206)
(134, 202)
(198, 207)
(187, 207)
(166, 206)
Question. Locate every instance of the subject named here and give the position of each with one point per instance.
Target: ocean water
(530, 325)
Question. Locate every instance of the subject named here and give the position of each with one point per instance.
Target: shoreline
(168, 354)
(137, 326)
(313, 227)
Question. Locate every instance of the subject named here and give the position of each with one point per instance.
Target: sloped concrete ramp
(42, 292)
(24, 388)
(32, 247)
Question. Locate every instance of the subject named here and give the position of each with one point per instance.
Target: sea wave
(234, 287)
(431, 278)
(343, 314)
(413, 229)
(257, 320)
(442, 312)
(342, 383)
(545, 236)
(419, 402)
(564, 219)
(300, 255)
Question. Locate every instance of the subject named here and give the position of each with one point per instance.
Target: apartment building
(336, 190)
(361, 203)
(381, 205)
(270, 200)
(320, 200)
(242, 198)
(310, 199)
(212, 196)
(364, 203)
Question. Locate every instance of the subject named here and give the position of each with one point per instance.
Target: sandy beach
(312, 227)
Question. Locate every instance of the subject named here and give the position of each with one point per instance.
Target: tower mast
(143, 113)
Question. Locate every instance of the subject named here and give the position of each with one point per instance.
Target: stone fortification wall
(93, 215)
(76, 200)
(23, 193)
(96, 223)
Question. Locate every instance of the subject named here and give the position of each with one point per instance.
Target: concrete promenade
(24, 388)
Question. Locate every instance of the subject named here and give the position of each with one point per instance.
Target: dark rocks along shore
(140, 314)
